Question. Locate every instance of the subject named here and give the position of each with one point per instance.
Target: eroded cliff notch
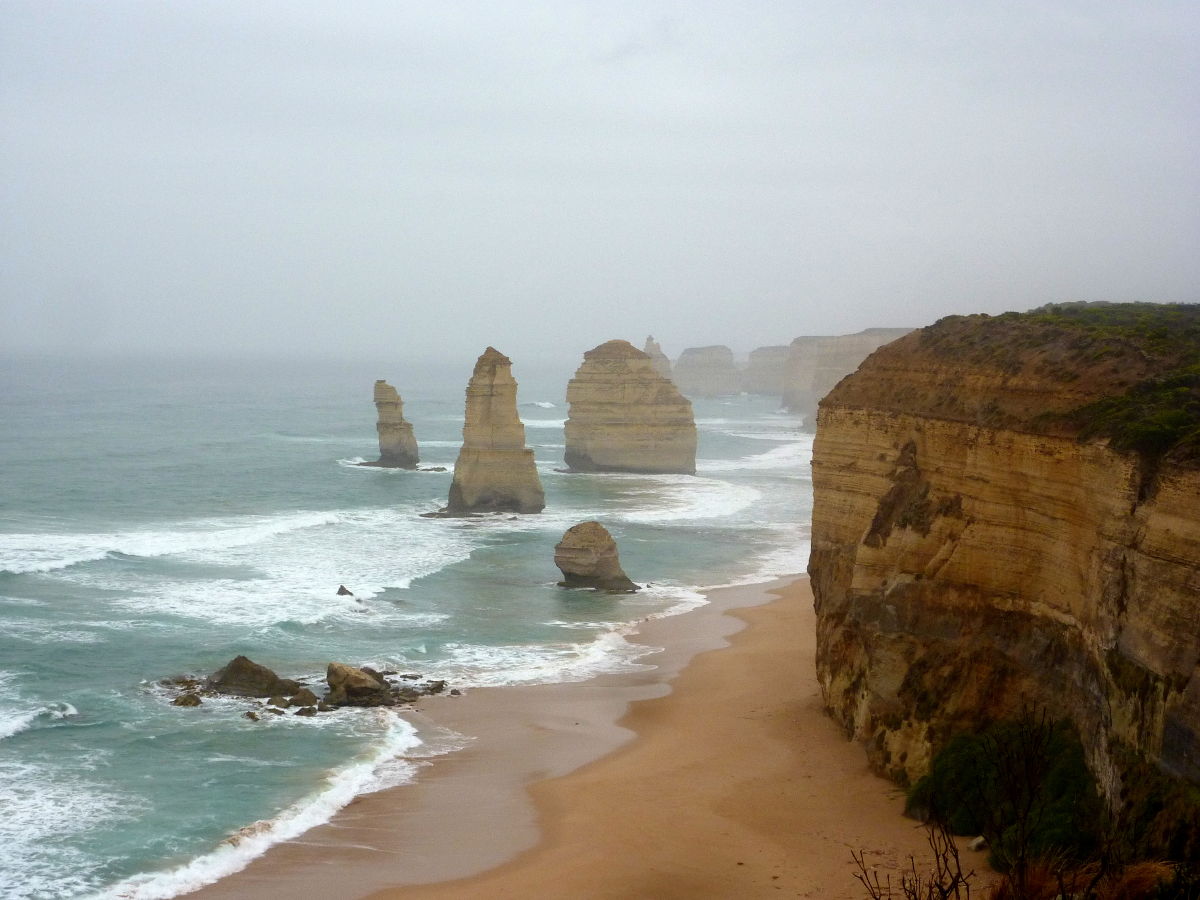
(495, 471)
(625, 417)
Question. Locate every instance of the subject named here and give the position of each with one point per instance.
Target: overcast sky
(408, 179)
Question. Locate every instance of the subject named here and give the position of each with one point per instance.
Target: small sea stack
(495, 471)
(662, 365)
(624, 416)
(397, 445)
(587, 557)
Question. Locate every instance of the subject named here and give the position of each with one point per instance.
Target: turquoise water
(157, 519)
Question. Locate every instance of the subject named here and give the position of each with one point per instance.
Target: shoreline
(563, 786)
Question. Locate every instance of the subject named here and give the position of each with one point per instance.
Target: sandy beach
(714, 774)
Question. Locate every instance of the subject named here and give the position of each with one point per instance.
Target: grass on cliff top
(1143, 359)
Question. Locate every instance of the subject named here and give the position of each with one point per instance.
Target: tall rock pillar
(495, 472)
(397, 445)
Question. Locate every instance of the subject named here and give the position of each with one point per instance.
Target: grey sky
(408, 179)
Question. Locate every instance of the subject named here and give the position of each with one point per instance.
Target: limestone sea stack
(587, 557)
(707, 372)
(626, 417)
(397, 445)
(1005, 513)
(495, 471)
(662, 365)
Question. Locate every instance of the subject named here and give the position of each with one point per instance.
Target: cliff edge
(1007, 512)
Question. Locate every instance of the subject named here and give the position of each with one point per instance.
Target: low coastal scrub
(1022, 785)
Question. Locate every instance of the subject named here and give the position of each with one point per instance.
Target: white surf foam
(46, 552)
(43, 810)
(296, 573)
(381, 767)
(791, 458)
(673, 498)
(543, 423)
(482, 665)
(15, 721)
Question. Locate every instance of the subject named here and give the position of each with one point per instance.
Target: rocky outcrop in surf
(662, 365)
(816, 364)
(397, 445)
(495, 471)
(1005, 513)
(587, 557)
(626, 417)
(707, 372)
(242, 677)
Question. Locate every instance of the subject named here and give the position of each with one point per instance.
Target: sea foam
(379, 768)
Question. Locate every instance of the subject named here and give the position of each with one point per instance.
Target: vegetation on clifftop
(1132, 370)
(1156, 415)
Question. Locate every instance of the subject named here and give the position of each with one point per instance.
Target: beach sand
(736, 785)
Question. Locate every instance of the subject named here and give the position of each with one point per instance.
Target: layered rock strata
(766, 371)
(662, 365)
(495, 471)
(625, 417)
(974, 551)
(816, 363)
(397, 445)
(707, 372)
(587, 557)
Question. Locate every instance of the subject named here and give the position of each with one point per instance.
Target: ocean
(158, 518)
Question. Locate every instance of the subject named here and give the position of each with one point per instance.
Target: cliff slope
(1007, 511)
(626, 417)
(495, 472)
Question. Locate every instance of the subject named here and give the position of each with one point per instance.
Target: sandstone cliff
(707, 372)
(626, 417)
(587, 557)
(495, 472)
(397, 445)
(816, 364)
(767, 371)
(662, 365)
(1006, 512)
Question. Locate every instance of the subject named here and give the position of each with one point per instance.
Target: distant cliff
(816, 364)
(766, 372)
(707, 372)
(1007, 511)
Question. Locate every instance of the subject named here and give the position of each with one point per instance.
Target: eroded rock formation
(397, 445)
(1006, 512)
(662, 365)
(495, 472)
(587, 556)
(766, 372)
(243, 677)
(626, 417)
(816, 364)
(707, 372)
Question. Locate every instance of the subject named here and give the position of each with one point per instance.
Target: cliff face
(625, 417)
(397, 445)
(707, 372)
(662, 365)
(767, 371)
(495, 471)
(972, 553)
(816, 364)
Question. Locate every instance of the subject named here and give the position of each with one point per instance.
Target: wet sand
(736, 785)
